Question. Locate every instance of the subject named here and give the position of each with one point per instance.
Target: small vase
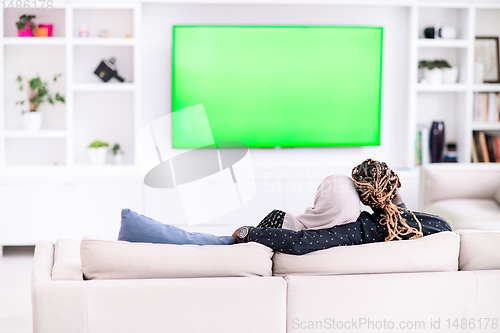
(42, 32)
(32, 121)
(436, 142)
(97, 156)
(117, 159)
(49, 28)
(450, 75)
(25, 33)
(433, 76)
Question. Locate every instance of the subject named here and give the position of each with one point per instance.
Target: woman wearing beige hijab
(336, 203)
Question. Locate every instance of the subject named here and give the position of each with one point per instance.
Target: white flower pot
(433, 76)
(117, 159)
(450, 75)
(98, 155)
(32, 121)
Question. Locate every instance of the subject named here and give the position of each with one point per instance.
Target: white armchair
(463, 194)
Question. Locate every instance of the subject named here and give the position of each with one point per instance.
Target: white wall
(286, 178)
(157, 49)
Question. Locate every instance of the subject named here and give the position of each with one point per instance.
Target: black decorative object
(451, 152)
(440, 32)
(107, 70)
(437, 141)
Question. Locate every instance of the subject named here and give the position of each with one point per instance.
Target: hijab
(336, 202)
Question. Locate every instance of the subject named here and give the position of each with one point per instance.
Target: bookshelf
(451, 103)
(93, 109)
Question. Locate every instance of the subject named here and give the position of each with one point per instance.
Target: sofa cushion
(67, 264)
(437, 252)
(480, 214)
(104, 259)
(479, 250)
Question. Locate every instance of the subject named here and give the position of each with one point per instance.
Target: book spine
(492, 108)
(484, 147)
(477, 107)
(474, 156)
(498, 106)
(497, 147)
(491, 149)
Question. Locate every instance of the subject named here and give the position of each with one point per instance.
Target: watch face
(242, 233)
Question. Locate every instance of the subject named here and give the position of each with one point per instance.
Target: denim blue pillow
(142, 229)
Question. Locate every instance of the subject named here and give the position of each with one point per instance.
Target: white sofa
(466, 195)
(135, 287)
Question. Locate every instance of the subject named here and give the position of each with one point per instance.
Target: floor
(15, 289)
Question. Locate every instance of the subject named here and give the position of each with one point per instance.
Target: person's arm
(299, 242)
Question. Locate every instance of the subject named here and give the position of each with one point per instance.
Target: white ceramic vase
(98, 155)
(117, 159)
(433, 76)
(450, 75)
(32, 121)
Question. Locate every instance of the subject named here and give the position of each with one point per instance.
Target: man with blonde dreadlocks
(377, 186)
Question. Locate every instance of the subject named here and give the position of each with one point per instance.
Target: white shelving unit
(451, 103)
(106, 111)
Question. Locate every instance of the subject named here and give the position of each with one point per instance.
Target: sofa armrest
(455, 181)
(58, 306)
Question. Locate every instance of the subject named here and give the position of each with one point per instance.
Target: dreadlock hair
(376, 185)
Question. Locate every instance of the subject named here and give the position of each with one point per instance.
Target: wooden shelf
(34, 41)
(442, 87)
(486, 126)
(457, 43)
(35, 134)
(109, 86)
(103, 41)
(487, 87)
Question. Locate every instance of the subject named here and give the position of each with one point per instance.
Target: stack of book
(485, 147)
(486, 107)
(422, 154)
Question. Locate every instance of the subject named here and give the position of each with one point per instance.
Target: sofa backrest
(452, 181)
(433, 253)
(105, 260)
(479, 250)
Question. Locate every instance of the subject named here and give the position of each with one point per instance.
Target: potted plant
(432, 71)
(97, 152)
(450, 74)
(117, 154)
(25, 26)
(38, 93)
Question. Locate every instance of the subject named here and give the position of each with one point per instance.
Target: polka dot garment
(366, 229)
(273, 220)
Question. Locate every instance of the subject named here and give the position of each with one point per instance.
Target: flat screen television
(286, 86)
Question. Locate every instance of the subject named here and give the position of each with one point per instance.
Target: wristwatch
(243, 233)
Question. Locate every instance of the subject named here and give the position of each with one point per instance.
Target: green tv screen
(279, 86)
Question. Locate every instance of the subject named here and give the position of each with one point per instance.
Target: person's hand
(235, 235)
(398, 199)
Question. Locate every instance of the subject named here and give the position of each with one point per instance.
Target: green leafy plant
(24, 20)
(38, 92)
(116, 149)
(98, 144)
(433, 64)
(442, 64)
